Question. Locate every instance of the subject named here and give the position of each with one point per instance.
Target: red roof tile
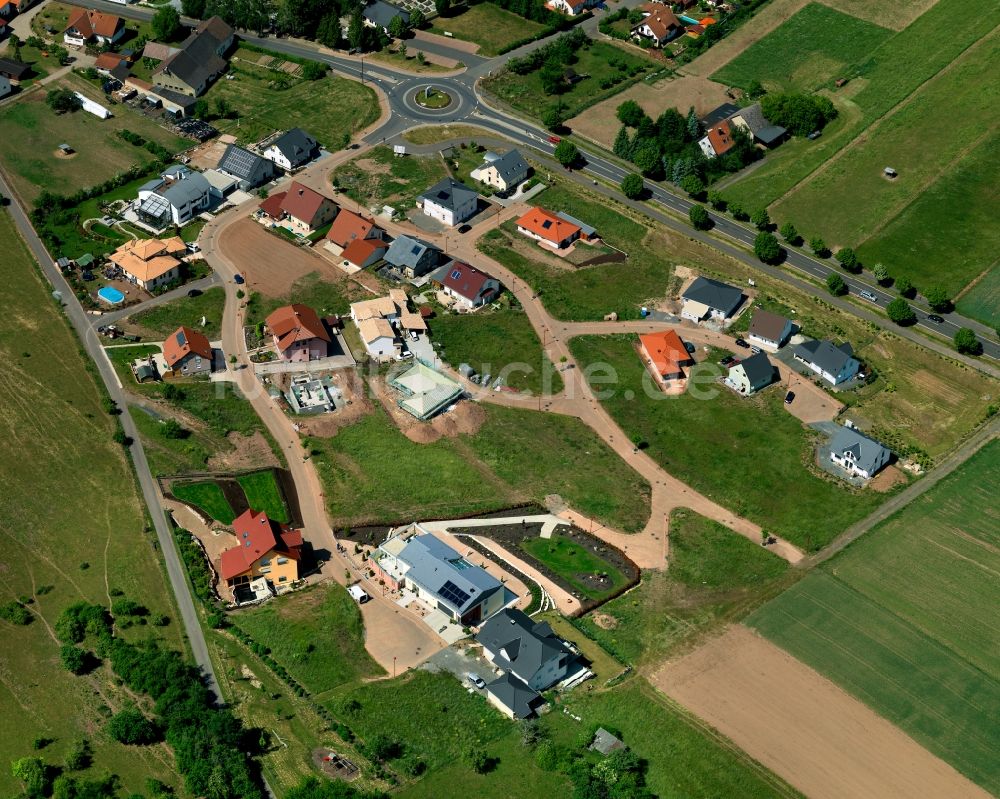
(303, 203)
(547, 225)
(666, 351)
(272, 205)
(257, 535)
(296, 322)
(465, 280)
(349, 226)
(184, 341)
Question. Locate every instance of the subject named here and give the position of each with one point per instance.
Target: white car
(358, 594)
(476, 680)
(414, 336)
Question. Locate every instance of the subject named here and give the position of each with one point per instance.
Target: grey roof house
(835, 364)
(503, 172)
(717, 114)
(198, 61)
(379, 14)
(857, 454)
(250, 169)
(412, 256)
(514, 642)
(707, 298)
(449, 202)
(752, 120)
(176, 197)
(512, 697)
(292, 149)
(751, 375)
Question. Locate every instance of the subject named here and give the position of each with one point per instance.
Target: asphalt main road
(81, 323)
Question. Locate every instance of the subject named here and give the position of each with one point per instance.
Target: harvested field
(894, 14)
(802, 726)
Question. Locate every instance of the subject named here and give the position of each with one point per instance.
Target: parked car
(755, 350)
(933, 317)
(867, 295)
(789, 397)
(465, 228)
(238, 280)
(729, 360)
(414, 336)
(194, 292)
(741, 343)
(358, 594)
(193, 246)
(689, 347)
(814, 135)
(476, 680)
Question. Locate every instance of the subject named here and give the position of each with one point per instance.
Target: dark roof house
(834, 363)
(513, 697)
(716, 115)
(293, 149)
(449, 194)
(379, 14)
(198, 61)
(467, 283)
(516, 643)
(249, 168)
(707, 297)
(414, 256)
(856, 453)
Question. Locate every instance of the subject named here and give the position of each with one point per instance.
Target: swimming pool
(111, 295)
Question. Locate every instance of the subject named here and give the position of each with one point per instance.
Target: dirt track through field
(802, 726)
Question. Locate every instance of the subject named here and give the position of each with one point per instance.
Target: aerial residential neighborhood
(561, 398)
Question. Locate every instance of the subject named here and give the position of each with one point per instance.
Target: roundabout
(432, 99)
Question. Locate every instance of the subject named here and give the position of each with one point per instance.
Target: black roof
(296, 145)
(381, 13)
(13, 69)
(245, 165)
(716, 115)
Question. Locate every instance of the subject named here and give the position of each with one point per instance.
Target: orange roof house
(721, 137)
(187, 352)
(85, 25)
(150, 263)
(665, 354)
(547, 227)
(298, 332)
(362, 253)
(264, 548)
(307, 208)
(659, 24)
(349, 226)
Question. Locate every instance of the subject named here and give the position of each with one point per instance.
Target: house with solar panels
(418, 562)
(175, 198)
(250, 169)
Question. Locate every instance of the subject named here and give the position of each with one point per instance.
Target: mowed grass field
(327, 108)
(373, 473)
(807, 51)
(905, 619)
(163, 320)
(716, 443)
(33, 132)
(921, 102)
(73, 529)
(489, 26)
(982, 300)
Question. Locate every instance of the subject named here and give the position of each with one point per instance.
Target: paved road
(81, 323)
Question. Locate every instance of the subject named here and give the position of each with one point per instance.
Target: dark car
(465, 228)
(741, 343)
(689, 347)
(933, 317)
(238, 279)
(729, 360)
(194, 293)
(789, 397)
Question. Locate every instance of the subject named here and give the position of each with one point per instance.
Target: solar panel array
(239, 162)
(453, 594)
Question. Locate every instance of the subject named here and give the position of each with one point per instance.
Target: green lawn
(499, 343)
(317, 634)
(596, 62)
(33, 134)
(489, 26)
(591, 292)
(323, 296)
(572, 562)
(262, 493)
(378, 177)
(905, 618)
(807, 51)
(207, 496)
(163, 320)
(373, 473)
(74, 530)
(713, 440)
(982, 301)
(329, 109)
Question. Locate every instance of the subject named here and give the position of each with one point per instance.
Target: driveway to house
(111, 317)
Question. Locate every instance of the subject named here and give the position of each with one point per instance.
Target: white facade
(706, 147)
(449, 216)
(845, 460)
(272, 153)
(381, 347)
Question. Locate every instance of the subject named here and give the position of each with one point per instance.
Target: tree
(171, 428)
(193, 8)
(34, 774)
(736, 209)
(552, 76)
(767, 248)
(694, 186)
(633, 186)
(966, 342)
(381, 747)
(647, 158)
(129, 726)
(848, 259)
(223, 109)
(905, 287)
(417, 19)
(630, 114)
(880, 273)
(818, 246)
(73, 658)
(477, 760)
(356, 29)
(166, 24)
(442, 7)
(835, 284)
(755, 90)
(760, 219)
(622, 146)
(700, 220)
(567, 154)
(801, 114)
(313, 70)
(900, 312)
(62, 101)
(397, 27)
(554, 115)
(717, 201)
(790, 234)
(80, 755)
(937, 297)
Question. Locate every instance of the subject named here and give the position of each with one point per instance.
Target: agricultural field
(498, 343)
(714, 577)
(378, 178)
(491, 27)
(161, 321)
(712, 444)
(373, 473)
(270, 99)
(595, 62)
(982, 299)
(54, 412)
(804, 53)
(34, 133)
(903, 619)
(316, 633)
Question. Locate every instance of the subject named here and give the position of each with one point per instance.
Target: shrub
(131, 727)
(16, 613)
(313, 70)
(80, 755)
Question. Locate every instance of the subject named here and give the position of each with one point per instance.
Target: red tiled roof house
(665, 355)
(468, 285)
(264, 549)
(548, 228)
(300, 209)
(88, 26)
(299, 334)
(187, 353)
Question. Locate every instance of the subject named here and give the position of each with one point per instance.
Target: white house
(570, 7)
(93, 26)
(503, 172)
(292, 149)
(710, 299)
(835, 364)
(751, 375)
(857, 454)
(379, 338)
(531, 650)
(449, 202)
(769, 330)
(176, 197)
(468, 285)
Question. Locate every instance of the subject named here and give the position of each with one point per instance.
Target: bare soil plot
(600, 123)
(802, 726)
(895, 14)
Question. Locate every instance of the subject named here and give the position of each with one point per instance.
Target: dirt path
(802, 726)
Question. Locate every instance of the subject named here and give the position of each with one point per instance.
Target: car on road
(194, 292)
(789, 397)
(358, 594)
(238, 280)
(465, 228)
(554, 140)
(476, 680)
(933, 317)
(741, 343)
(868, 295)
